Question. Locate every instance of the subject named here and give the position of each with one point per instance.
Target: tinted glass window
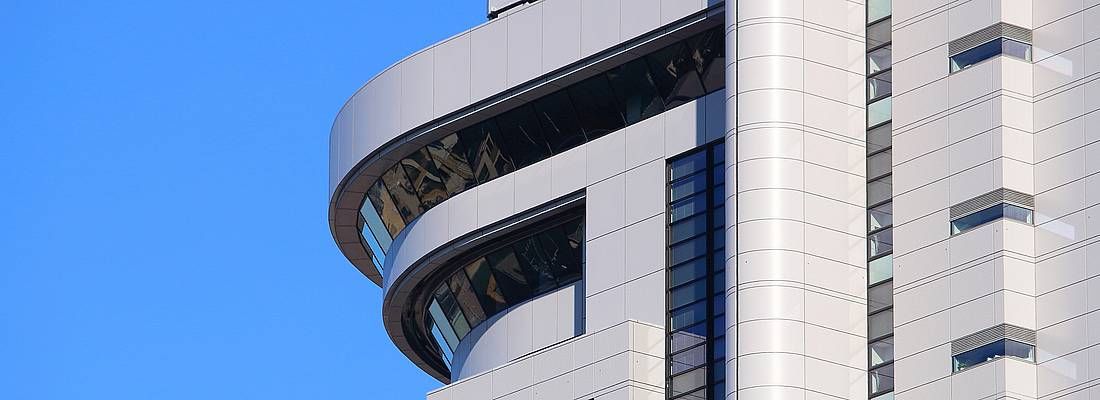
(510, 275)
(880, 269)
(992, 351)
(879, 164)
(989, 50)
(690, 249)
(878, 34)
(536, 264)
(879, 60)
(880, 242)
(560, 127)
(712, 56)
(880, 111)
(881, 351)
(880, 297)
(688, 165)
(878, 9)
(688, 359)
(443, 324)
(880, 324)
(596, 106)
(689, 271)
(485, 286)
(879, 138)
(449, 156)
(689, 315)
(689, 382)
(402, 192)
(634, 89)
(452, 312)
(879, 190)
(385, 212)
(882, 379)
(989, 215)
(425, 178)
(688, 187)
(467, 300)
(879, 85)
(675, 75)
(688, 293)
(483, 151)
(694, 226)
(521, 137)
(880, 217)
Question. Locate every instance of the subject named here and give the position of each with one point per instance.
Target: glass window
(881, 379)
(879, 85)
(560, 126)
(596, 107)
(424, 177)
(879, 190)
(467, 300)
(440, 339)
(688, 293)
(691, 227)
(880, 217)
(688, 359)
(449, 155)
(681, 252)
(880, 269)
(688, 186)
(880, 297)
(536, 264)
(879, 111)
(383, 205)
(483, 151)
(675, 74)
(687, 207)
(711, 56)
(992, 351)
(521, 137)
(510, 275)
(563, 262)
(440, 321)
(877, 9)
(989, 215)
(989, 50)
(633, 86)
(687, 337)
(402, 193)
(879, 60)
(879, 164)
(689, 382)
(689, 315)
(485, 286)
(879, 138)
(452, 312)
(884, 396)
(688, 165)
(880, 242)
(687, 272)
(881, 351)
(878, 34)
(880, 324)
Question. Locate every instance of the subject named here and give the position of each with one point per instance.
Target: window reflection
(551, 124)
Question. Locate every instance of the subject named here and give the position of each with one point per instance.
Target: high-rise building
(697, 199)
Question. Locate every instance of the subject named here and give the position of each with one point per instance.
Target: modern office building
(697, 199)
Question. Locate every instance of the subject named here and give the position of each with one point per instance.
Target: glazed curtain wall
(641, 88)
(501, 278)
(696, 300)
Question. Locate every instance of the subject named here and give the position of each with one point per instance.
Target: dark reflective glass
(879, 190)
(634, 89)
(688, 186)
(510, 275)
(880, 324)
(880, 297)
(881, 379)
(879, 138)
(467, 300)
(383, 204)
(689, 315)
(452, 312)
(560, 127)
(693, 226)
(688, 359)
(719, 217)
(989, 215)
(879, 60)
(485, 286)
(692, 270)
(718, 153)
(675, 74)
(425, 178)
(879, 34)
(880, 85)
(596, 107)
(687, 250)
(483, 152)
(688, 293)
(687, 207)
(563, 261)
(688, 165)
(992, 351)
(574, 238)
(880, 242)
(449, 155)
(711, 55)
(881, 351)
(402, 193)
(521, 138)
(880, 217)
(536, 264)
(439, 319)
(879, 164)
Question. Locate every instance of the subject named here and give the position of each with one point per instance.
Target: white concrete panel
(642, 303)
(531, 187)
(488, 64)
(645, 247)
(605, 206)
(561, 40)
(605, 266)
(452, 75)
(599, 25)
(645, 191)
(495, 200)
(524, 45)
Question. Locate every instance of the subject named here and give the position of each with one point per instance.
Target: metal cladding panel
(990, 335)
(991, 199)
(994, 31)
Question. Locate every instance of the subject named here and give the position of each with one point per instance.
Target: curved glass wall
(503, 277)
(624, 95)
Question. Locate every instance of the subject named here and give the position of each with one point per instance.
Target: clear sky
(163, 202)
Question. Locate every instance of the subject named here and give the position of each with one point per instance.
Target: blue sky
(163, 202)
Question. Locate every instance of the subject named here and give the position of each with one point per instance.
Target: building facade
(702, 199)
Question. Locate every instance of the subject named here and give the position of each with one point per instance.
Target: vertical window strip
(880, 360)
(695, 366)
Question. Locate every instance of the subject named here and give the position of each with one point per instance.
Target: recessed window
(878, 34)
(879, 85)
(880, 242)
(879, 60)
(881, 379)
(993, 351)
(880, 111)
(881, 351)
(879, 190)
(879, 164)
(989, 50)
(879, 138)
(880, 217)
(880, 324)
(880, 269)
(991, 214)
